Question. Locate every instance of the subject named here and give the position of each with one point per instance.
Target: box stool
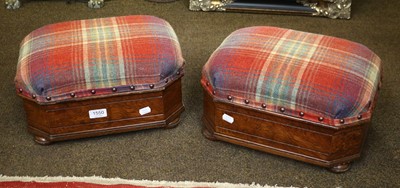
(100, 76)
(300, 95)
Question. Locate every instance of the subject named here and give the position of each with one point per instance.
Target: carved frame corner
(209, 5)
(330, 8)
(12, 4)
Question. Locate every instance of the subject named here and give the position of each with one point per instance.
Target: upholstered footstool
(94, 77)
(299, 95)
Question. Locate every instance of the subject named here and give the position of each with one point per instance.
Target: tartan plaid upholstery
(295, 72)
(79, 56)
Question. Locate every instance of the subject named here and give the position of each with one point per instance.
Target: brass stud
(208, 83)
(320, 119)
(263, 105)
(114, 89)
(178, 73)
(93, 91)
(359, 116)
(48, 98)
(214, 92)
(72, 94)
(34, 96)
(301, 114)
(230, 97)
(282, 109)
(341, 121)
(151, 86)
(20, 90)
(132, 87)
(246, 101)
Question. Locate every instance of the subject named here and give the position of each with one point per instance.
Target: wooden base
(70, 120)
(331, 147)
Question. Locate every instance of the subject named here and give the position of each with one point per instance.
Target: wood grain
(327, 146)
(70, 120)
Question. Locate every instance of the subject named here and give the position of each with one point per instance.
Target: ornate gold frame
(328, 8)
(16, 4)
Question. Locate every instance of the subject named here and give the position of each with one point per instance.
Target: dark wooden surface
(70, 120)
(327, 146)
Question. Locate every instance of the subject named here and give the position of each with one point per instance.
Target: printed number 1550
(98, 113)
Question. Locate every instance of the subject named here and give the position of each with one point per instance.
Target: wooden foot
(173, 123)
(340, 168)
(208, 134)
(41, 140)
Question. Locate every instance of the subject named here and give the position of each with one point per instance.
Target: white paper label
(144, 110)
(228, 118)
(98, 113)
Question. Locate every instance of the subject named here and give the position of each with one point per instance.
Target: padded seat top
(314, 77)
(90, 58)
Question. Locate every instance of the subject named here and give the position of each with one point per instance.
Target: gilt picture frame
(335, 9)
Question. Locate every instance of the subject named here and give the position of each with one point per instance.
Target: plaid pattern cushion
(68, 60)
(310, 76)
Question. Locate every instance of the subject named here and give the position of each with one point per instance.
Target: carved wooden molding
(328, 8)
(209, 5)
(16, 4)
(12, 4)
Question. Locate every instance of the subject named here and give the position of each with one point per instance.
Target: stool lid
(82, 59)
(314, 77)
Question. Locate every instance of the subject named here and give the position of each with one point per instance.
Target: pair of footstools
(304, 96)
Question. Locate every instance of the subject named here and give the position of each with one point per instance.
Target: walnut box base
(327, 146)
(71, 120)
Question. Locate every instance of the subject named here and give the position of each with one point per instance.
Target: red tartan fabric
(305, 75)
(72, 60)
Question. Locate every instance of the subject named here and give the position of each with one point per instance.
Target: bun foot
(340, 168)
(41, 140)
(208, 134)
(173, 123)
